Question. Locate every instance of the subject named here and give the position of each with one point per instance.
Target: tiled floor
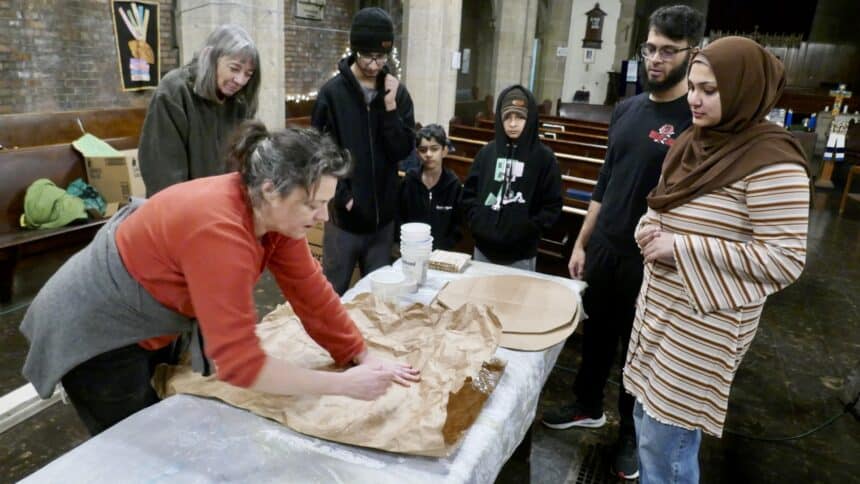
(789, 382)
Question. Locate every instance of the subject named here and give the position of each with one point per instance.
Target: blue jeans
(667, 454)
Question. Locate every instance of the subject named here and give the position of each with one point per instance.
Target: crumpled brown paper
(453, 349)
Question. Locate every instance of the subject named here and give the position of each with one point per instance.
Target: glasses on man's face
(431, 149)
(379, 59)
(667, 52)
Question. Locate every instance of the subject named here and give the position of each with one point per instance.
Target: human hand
(391, 85)
(658, 245)
(401, 374)
(644, 234)
(576, 265)
(349, 205)
(366, 382)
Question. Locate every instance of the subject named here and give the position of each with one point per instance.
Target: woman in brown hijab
(726, 227)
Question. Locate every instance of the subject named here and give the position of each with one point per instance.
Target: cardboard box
(115, 174)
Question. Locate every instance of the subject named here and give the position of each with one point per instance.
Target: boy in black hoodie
(430, 193)
(513, 191)
(368, 112)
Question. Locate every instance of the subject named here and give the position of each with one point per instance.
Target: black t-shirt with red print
(640, 134)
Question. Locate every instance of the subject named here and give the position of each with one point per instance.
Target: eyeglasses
(379, 59)
(667, 52)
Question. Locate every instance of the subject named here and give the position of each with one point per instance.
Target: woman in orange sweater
(185, 263)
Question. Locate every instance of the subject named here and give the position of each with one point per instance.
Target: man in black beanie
(369, 113)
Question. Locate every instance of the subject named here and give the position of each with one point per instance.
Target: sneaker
(626, 465)
(572, 415)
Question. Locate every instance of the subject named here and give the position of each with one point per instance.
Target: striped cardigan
(694, 322)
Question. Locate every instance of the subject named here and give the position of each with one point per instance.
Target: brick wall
(60, 55)
(313, 48)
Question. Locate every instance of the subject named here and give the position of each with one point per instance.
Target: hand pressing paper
(453, 349)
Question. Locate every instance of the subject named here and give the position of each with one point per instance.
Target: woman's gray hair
(291, 158)
(226, 40)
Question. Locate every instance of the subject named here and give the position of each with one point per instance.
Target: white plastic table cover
(187, 439)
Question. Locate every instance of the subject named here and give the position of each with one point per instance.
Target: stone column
(264, 21)
(554, 25)
(593, 77)
(431, 38)
(515, 22)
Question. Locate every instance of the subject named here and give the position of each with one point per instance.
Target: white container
(387, 284)
(414, 231)
(414, 257)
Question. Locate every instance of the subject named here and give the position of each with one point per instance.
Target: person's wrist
(336, 383)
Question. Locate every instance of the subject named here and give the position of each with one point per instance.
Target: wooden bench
(40, 129)
(554, 124)
(60, 163)
(804, 102)
(467, 112)
(573, 165)
(599, 114)
(486, 134)
(298, 113)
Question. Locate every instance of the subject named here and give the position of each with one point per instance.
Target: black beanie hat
(372, 31)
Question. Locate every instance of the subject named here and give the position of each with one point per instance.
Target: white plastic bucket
(387, 284)
(414, 257)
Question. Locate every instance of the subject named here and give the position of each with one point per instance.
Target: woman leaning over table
(726, 227)
(185, 262)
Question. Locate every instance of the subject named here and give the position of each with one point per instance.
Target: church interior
(793, 413)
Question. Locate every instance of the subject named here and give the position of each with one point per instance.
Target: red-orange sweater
(192, 247)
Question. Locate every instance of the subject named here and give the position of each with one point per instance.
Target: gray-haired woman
(195, 109)
(185, 262)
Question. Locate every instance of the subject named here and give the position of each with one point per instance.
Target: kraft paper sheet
(452, 348)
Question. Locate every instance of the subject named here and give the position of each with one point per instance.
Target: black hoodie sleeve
(398, 132)
(323, 120)
(455, 230)
(402, 213)
(469, 201)
(551, 199)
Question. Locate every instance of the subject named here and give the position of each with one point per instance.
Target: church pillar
(514, 37)
(431, 38)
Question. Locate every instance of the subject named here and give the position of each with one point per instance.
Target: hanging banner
(135, 26)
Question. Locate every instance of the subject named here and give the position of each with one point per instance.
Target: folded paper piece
(453, 349)
(535, 313)
(443, 260)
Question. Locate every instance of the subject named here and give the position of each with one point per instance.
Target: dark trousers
(113, 385)
(343, 249)
(609, 302)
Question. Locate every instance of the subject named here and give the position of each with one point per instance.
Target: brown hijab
(750, 81)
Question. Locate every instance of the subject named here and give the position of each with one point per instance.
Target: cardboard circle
(523, 304)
